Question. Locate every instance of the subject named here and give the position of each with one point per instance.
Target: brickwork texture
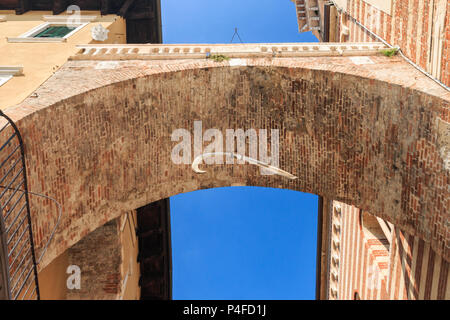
(372, 135)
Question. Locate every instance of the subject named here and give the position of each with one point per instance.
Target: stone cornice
(67, 18)
(203, 51)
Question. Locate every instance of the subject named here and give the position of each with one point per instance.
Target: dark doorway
(155, 254)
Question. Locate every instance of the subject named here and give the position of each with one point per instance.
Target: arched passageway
(360, 133)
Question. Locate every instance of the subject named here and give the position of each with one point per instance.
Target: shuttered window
(54, 32)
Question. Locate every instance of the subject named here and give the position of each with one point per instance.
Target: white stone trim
(234, 51)
(64, 19)
(28, 36)
(361, 60)
(238, 63)
(334, 265)
(11, 70)
(124, 285)
(382, 5)
(34, 40)
(7, 72)
(385, 226)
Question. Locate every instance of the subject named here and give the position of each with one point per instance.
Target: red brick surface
(446, 50)
(98, 255)
(415, 42)
(402, 270)
(369, 135)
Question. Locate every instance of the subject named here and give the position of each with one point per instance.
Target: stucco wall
(130, 272)
(41, 60)
(53, 279)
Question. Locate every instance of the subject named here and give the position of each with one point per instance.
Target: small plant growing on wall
(218, 57)
(389, 52)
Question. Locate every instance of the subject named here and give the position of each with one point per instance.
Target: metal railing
(18, 267)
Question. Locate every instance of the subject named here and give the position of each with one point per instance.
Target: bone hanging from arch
(258, 163)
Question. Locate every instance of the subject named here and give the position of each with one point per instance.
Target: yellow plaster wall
(130, 288)
(41, 60)
(53, 279)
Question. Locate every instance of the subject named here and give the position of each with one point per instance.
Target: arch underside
(352, 133)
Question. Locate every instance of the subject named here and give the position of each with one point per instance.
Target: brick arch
(349, 134)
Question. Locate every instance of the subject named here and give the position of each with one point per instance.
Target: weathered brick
(351, 132)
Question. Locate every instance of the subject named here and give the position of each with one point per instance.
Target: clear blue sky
(241, 242)
(244, 243)
(209, 21)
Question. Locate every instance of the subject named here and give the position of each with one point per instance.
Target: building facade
(362, 256)
(421, 29)
(368, 258)
(28, 59)
(36, 39)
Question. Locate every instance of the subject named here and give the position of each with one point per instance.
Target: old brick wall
(446, 50)
(403, 267)
(411, 25)
(372, 135)
(98, 255)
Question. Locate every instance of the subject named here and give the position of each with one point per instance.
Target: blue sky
(244, 243)
(208, 21)
(240, 242)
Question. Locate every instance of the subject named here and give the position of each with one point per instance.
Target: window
(55, 29)
(54, 32)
